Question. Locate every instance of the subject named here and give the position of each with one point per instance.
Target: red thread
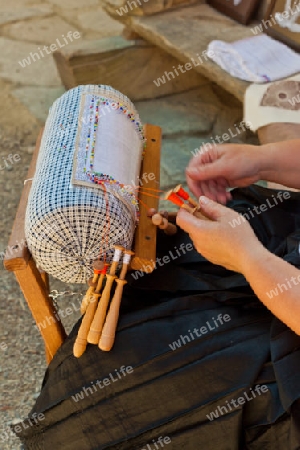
(182, 193)
(175, 199)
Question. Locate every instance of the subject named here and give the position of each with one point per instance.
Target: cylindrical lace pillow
(83, 199)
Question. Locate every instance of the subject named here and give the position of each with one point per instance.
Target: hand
(220, 240)
(212, 171)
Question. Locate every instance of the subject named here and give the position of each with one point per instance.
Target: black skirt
(198, 362)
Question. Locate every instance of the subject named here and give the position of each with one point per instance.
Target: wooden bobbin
(97, 266)
(109, 330)
(178, 190)
(99, 318)
(195, 211)
(172, 197)
(81, 340)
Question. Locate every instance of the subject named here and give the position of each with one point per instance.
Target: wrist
(267, 161)
(253, 256)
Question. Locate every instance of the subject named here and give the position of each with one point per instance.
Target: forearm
(280, 163)
(276, 283)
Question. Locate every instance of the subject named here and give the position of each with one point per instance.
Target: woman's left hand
(226, 239)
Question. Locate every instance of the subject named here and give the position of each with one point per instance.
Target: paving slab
(22, 10)
(187, 112)
(18, 126)
(95, 22)
(45, 30)
(41, 72)
(38, 99)
(73, 4)
(176, 154)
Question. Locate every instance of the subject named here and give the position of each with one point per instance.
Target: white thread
(126, 258)
(117, 255)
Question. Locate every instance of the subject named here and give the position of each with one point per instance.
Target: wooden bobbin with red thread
(100, 315)
(178, 190)
(176, 200)
(93, 298)
(109, 329)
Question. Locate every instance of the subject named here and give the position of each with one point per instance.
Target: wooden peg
(151, 212)
(157, 219)
(165, 214)
(99, 318)
(163, 224)
(169, 228)
(109, 330)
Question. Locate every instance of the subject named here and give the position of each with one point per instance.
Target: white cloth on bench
(258, 59)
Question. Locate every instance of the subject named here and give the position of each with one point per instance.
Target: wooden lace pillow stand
(35, 284)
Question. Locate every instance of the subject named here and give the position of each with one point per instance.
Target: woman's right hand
(213, 170)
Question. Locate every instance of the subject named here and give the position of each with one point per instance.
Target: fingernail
(204, 200)
(192, 171)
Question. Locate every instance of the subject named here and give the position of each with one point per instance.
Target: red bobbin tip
(172, 197)
(181, 192)
(104, 270)
(98, 266)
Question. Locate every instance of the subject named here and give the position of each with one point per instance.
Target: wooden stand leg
(45, 278)
(42, 308)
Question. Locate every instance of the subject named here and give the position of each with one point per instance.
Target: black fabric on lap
(171, 393)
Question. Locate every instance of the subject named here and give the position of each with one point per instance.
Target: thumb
(205, 172)
(210, 209)
(187, 221)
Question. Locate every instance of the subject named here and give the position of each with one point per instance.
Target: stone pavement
(26, 93)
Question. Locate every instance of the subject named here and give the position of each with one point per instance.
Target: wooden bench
(35, 284)
(185, 33)
(162, 41)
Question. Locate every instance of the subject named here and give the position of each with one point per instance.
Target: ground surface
(26, 93)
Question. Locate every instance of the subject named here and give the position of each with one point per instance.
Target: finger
(211, 209)
(228, 196)
(205, 172)
(213, 188)
(221, 193)
(205, 155)
(206, 189)
(194, 187)
(225, 185)
(224, 195)
(191, 224)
